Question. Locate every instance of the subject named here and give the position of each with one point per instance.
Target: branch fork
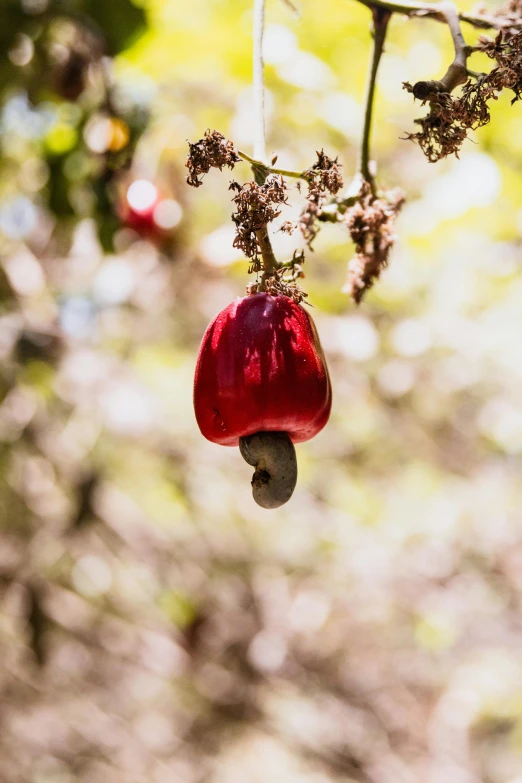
(457, 72)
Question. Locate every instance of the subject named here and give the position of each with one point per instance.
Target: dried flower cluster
(506, 49)
(323, 177)
(276, 286)
(288, 227)
(371, 223)
(256, 206)
(370, 219)
(446, 126)
(212, 151)
(283, 281)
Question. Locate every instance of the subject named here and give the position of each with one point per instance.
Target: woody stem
(380, 21)
(457, 72)
(433, 11)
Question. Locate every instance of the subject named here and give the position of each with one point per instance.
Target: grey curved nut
(273, 456)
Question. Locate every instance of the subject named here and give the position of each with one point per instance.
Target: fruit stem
(261, 171)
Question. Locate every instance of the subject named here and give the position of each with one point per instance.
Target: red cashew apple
(262, 383)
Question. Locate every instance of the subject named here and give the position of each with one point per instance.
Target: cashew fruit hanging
(262, 383)
(261, 368)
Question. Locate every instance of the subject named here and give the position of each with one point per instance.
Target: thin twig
(380, 21)
(475, 74)
(258, 81)
(257, 164)
(293, 8)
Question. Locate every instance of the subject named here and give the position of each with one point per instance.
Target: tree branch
(432, 11)
(380, 22)
(457, 72)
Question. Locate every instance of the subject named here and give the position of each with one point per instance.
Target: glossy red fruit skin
(261, 368)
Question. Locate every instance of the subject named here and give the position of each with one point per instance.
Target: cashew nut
(273, 456)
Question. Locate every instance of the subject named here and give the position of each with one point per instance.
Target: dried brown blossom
(212, 151)
(256, 206)
(308, 220)
(506, 49)
(288, 227)
(323, 177)
(446, 126)
(371, 223)
(283, 280)
(279, 284)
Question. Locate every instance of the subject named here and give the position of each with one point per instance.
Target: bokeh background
(156, 626)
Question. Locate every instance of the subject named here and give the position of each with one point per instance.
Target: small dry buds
(283, 280)
(506, 49)
(444, 129)
(371, 223)
(323, 177)
(256, 206)
(288, 227)
(212, 151)
(277, 284)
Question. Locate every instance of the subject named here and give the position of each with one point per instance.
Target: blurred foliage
(69, 133)
(155, 625)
